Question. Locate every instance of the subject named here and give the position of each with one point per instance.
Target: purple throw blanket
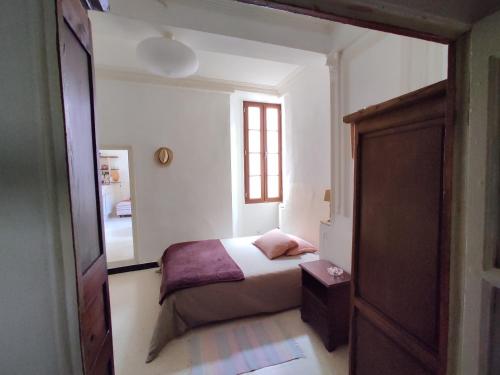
(196, 263)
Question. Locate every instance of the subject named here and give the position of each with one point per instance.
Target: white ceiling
(236, 68)
(221, 57)
(234, 42)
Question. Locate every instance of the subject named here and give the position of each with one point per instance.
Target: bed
(269, 286)
(124, 208)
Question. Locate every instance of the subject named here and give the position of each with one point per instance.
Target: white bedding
(124, 208)
(254, 263)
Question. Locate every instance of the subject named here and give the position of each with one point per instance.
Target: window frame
(263, 153)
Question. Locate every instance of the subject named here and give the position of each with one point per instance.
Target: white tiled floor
(119, 239)
(134, 306)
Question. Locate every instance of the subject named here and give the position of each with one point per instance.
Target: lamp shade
(328, 195)
(167, 57)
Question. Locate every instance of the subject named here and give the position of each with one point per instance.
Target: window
(262, 133)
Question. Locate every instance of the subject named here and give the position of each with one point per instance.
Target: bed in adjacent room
(124, 208)
(268, 286)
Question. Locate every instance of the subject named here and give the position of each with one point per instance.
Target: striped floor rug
(239, 348)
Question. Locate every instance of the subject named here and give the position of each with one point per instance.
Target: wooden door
(399, 319)
(76, 67)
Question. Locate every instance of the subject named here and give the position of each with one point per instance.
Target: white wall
(191, 198)
(381, 66)
(376, 68)
(255, 218)
(38, 313)
(306, 153)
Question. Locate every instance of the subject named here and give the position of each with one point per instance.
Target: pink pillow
(275, 243)
(302, 247)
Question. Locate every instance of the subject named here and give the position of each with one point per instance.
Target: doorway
(118, 206)
(373, 68)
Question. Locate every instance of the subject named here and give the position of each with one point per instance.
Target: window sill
(264, 202)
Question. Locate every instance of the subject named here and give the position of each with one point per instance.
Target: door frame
(480, 178)
(290, 6)
(131, 171)
(457, 169)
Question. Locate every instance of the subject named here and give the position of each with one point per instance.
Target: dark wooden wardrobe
(402, 178)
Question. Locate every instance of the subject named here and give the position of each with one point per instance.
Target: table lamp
(328, 198)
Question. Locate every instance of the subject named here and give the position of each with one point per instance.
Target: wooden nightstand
(325, 302)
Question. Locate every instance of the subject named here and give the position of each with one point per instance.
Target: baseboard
(134, 267)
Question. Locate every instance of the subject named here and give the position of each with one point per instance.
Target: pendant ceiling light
(167, 57)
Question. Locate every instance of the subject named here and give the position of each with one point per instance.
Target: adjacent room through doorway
(114, 171)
